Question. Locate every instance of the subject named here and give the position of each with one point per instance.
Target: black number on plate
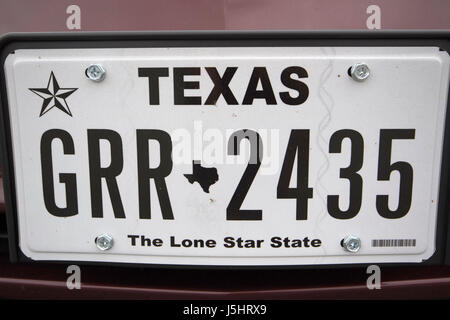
(297, 148)
(385, 168)
(234, 211)
(298, 144)
(350, 173)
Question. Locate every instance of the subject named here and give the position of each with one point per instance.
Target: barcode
(394, 243)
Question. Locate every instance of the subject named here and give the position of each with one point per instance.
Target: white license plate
(228, 156)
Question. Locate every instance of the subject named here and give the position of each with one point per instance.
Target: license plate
(215, 155)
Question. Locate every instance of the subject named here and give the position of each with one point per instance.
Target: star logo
(54, 96)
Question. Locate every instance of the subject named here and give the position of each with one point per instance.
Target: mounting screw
(96, 72)
(351, 244)
(104, 242)
(359, 72)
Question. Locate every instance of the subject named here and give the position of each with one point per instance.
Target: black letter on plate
(69, 179)
(290, 83)
(221, 86)
(110, 173)
(153, 75)
(145, 173)
(259, 74)
(179, 85)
